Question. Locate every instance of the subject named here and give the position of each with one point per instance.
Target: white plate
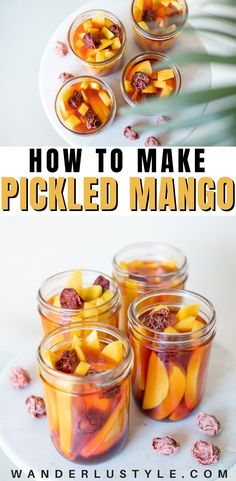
(52, 66)
(27, 443)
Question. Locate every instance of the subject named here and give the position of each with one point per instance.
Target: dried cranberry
(103, 282)
(149, 15)
(36, 406)
(61, 49)
(19, 378)
(205, 453)
(69, 299)
(91, 421)
(65, 76)
(165, 446)
(208, 424)
(90, 41)
(158, 320)
(151, 142)
(115, 29)
(92, 121)
(68, 362)
(75, 100)
(140, 81)
(131, 134)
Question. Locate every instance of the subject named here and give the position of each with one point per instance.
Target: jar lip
(79, 78)
(104, 62)
(141, 277)
(105, 377)
(165, 36)
(74, 312)
(166, 337)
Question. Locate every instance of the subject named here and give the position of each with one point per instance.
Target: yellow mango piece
(155, 3)
(87, 24)
(143, 26)
(84, 96)
(145, 67)
(72, 121)
(50, 358)
(170, 330)
(177, 5)
(166, 91)
(99, 19)
(94, 86)
(149, 90)
(77, 345)
(187, 311)
(84, 85)
(64, 109)
(165, 2)
(92, 342)
(197, 325)
(93, 31)
(91, 293)
(100, 56)
(116, 44)
(108, 22)
(185, 325)
(159, 84)
(90, 310)
(104, 43)
(107, 33)
(166, 74)
(64, 412)
(108, 54)
(82, 369)
(177, 383)
(113, 351)
(139, 4)
(90, 58)
(83, 109)
(128, 88)
(169, 264)
(192, 377)
(105, 98)
(107, 295)
(56, 301)
(157, 384)
(76, 281)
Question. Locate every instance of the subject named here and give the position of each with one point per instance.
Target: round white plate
(52, 66)
(27, 443)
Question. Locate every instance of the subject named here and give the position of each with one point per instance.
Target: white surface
(32, 249)
(52, 66)
(23, 438)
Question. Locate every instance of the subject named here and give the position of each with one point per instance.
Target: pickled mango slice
(166, 91)
(113, 351)
(99, 19)
(144, 26)
(50, 358)
(166, 74)
(157, 383)
(107, 295)
(56, 301)
(197, 325)
(91, 293)
(107, 33)
(72, 122)
(83, 109)
(82, 369)
(105, 98)
(186, 324)
(64, 410)
(76, 281)
(169, 264)
(91, 342)
(116, 44)
(77, 345)
(187, 311)
(145, 67)
(192, 378)
(170, 330)
(177, 382)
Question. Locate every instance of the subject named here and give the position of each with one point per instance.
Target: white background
(33, 248)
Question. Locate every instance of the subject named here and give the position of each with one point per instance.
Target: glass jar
(156, 42)
(134, 283)
(170, 369)
(92, 91)
(98, 68)
(141, 59)
(53, 317)
(87, 415)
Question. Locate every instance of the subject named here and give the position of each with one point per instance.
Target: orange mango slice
(192, 378)
(187, 311)
(82, 369)
(197, 325)
(177, 382)
(186, 324)
(76, 281)
(91, 342)
(179, 413)
(170, 330)
(113, 351)
(157, 383)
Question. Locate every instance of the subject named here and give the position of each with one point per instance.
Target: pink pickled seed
(61, 49)
(165, 446)
(131, 134)
(205, 453)
(208, 424)
(63, 77)
(35, 406)
(152, 142)
(19, 378)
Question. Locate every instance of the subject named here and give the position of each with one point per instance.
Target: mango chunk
(76, 281)
(187, 311)
(84, 85)
(99, 19)
(105, 98)
(192, 377)
(107, 33)
(157, 383)
(93, 31)
(84, 96)
(100, 56)
(113, 351)
(94, 86)
(145, 67)
(91, 293)
(116, 44)
(197, 325)
(56, 301)
(128, 88)
(169, 264)
(108, 54)
(50, 358)
(177, 382)
(107, 295)
(77, 345)
(108, 23)
(104, 43)
(87, 24)
(185, 325)
(166, 74)
(170, 330)
(91, 342)
(143, 26)
(82, 369)
(159, 84)
(166, 91)
(149, 90)
(83, 109)
(72, 122)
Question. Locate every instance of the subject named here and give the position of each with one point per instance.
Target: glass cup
(170, 86)
(52, 317)
(165, 36)
(137, 269)
(101, 67)
(170, 369)
(87, 415)
(91, 96)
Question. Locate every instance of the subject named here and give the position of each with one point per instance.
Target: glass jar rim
(99, 378)
(141, 277)
(165, 36)
(80, 78)
(104, 62)
(60, 310)
(166, 338)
